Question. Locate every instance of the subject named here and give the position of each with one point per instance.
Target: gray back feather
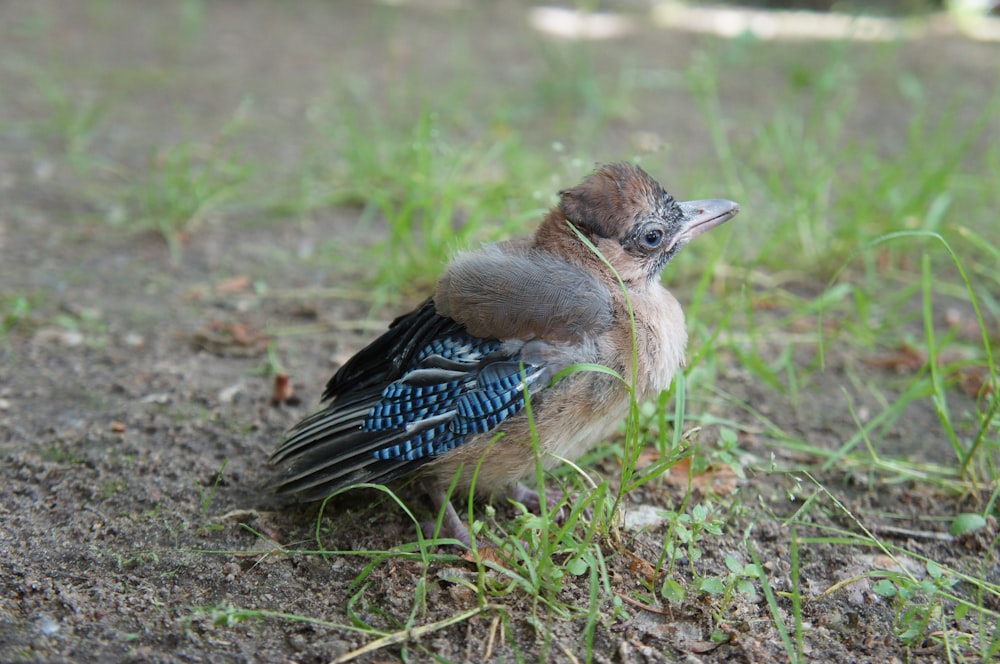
(503, 292)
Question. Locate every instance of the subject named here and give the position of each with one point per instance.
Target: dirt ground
(135, 434)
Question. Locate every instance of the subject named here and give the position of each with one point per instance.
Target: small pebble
(47, 626)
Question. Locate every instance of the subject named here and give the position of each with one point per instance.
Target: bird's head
(634, 222)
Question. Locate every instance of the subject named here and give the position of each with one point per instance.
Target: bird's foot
(451, 524)
(532, 500)
(558, 504)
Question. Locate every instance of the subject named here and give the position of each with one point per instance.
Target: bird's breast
(660, 337)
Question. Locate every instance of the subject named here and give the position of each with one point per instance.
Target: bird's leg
(532, 500)
(554, 498)
(451, 523)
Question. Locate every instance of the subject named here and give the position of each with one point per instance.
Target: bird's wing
(420, 390)
(389, 356)
(523, 294)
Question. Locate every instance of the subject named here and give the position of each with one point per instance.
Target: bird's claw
(558, 505)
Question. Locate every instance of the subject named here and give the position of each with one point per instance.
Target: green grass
(73, 122)
(15, 310)
(188, 184)
(432, 193)
(851, 247)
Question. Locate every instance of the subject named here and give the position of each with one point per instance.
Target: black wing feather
(385, 359)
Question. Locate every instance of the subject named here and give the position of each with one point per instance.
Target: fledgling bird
(443, 390)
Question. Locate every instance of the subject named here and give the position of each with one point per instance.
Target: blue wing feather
(420, 390)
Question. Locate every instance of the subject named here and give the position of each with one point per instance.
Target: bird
(456, 391)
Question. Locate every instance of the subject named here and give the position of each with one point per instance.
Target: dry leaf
(906, 360)
(883, 260)
(233, 285)
(486, 554)
(765, 303)
(887, 260)
(972, 380)
(721, 480)
(678, 473)
(243, 334)
(283, 393)
(224, 338)
(639, 566)
(647, 457)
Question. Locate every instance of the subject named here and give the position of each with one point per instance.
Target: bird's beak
(701, 216)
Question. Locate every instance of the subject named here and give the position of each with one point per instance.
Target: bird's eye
(652, 238)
